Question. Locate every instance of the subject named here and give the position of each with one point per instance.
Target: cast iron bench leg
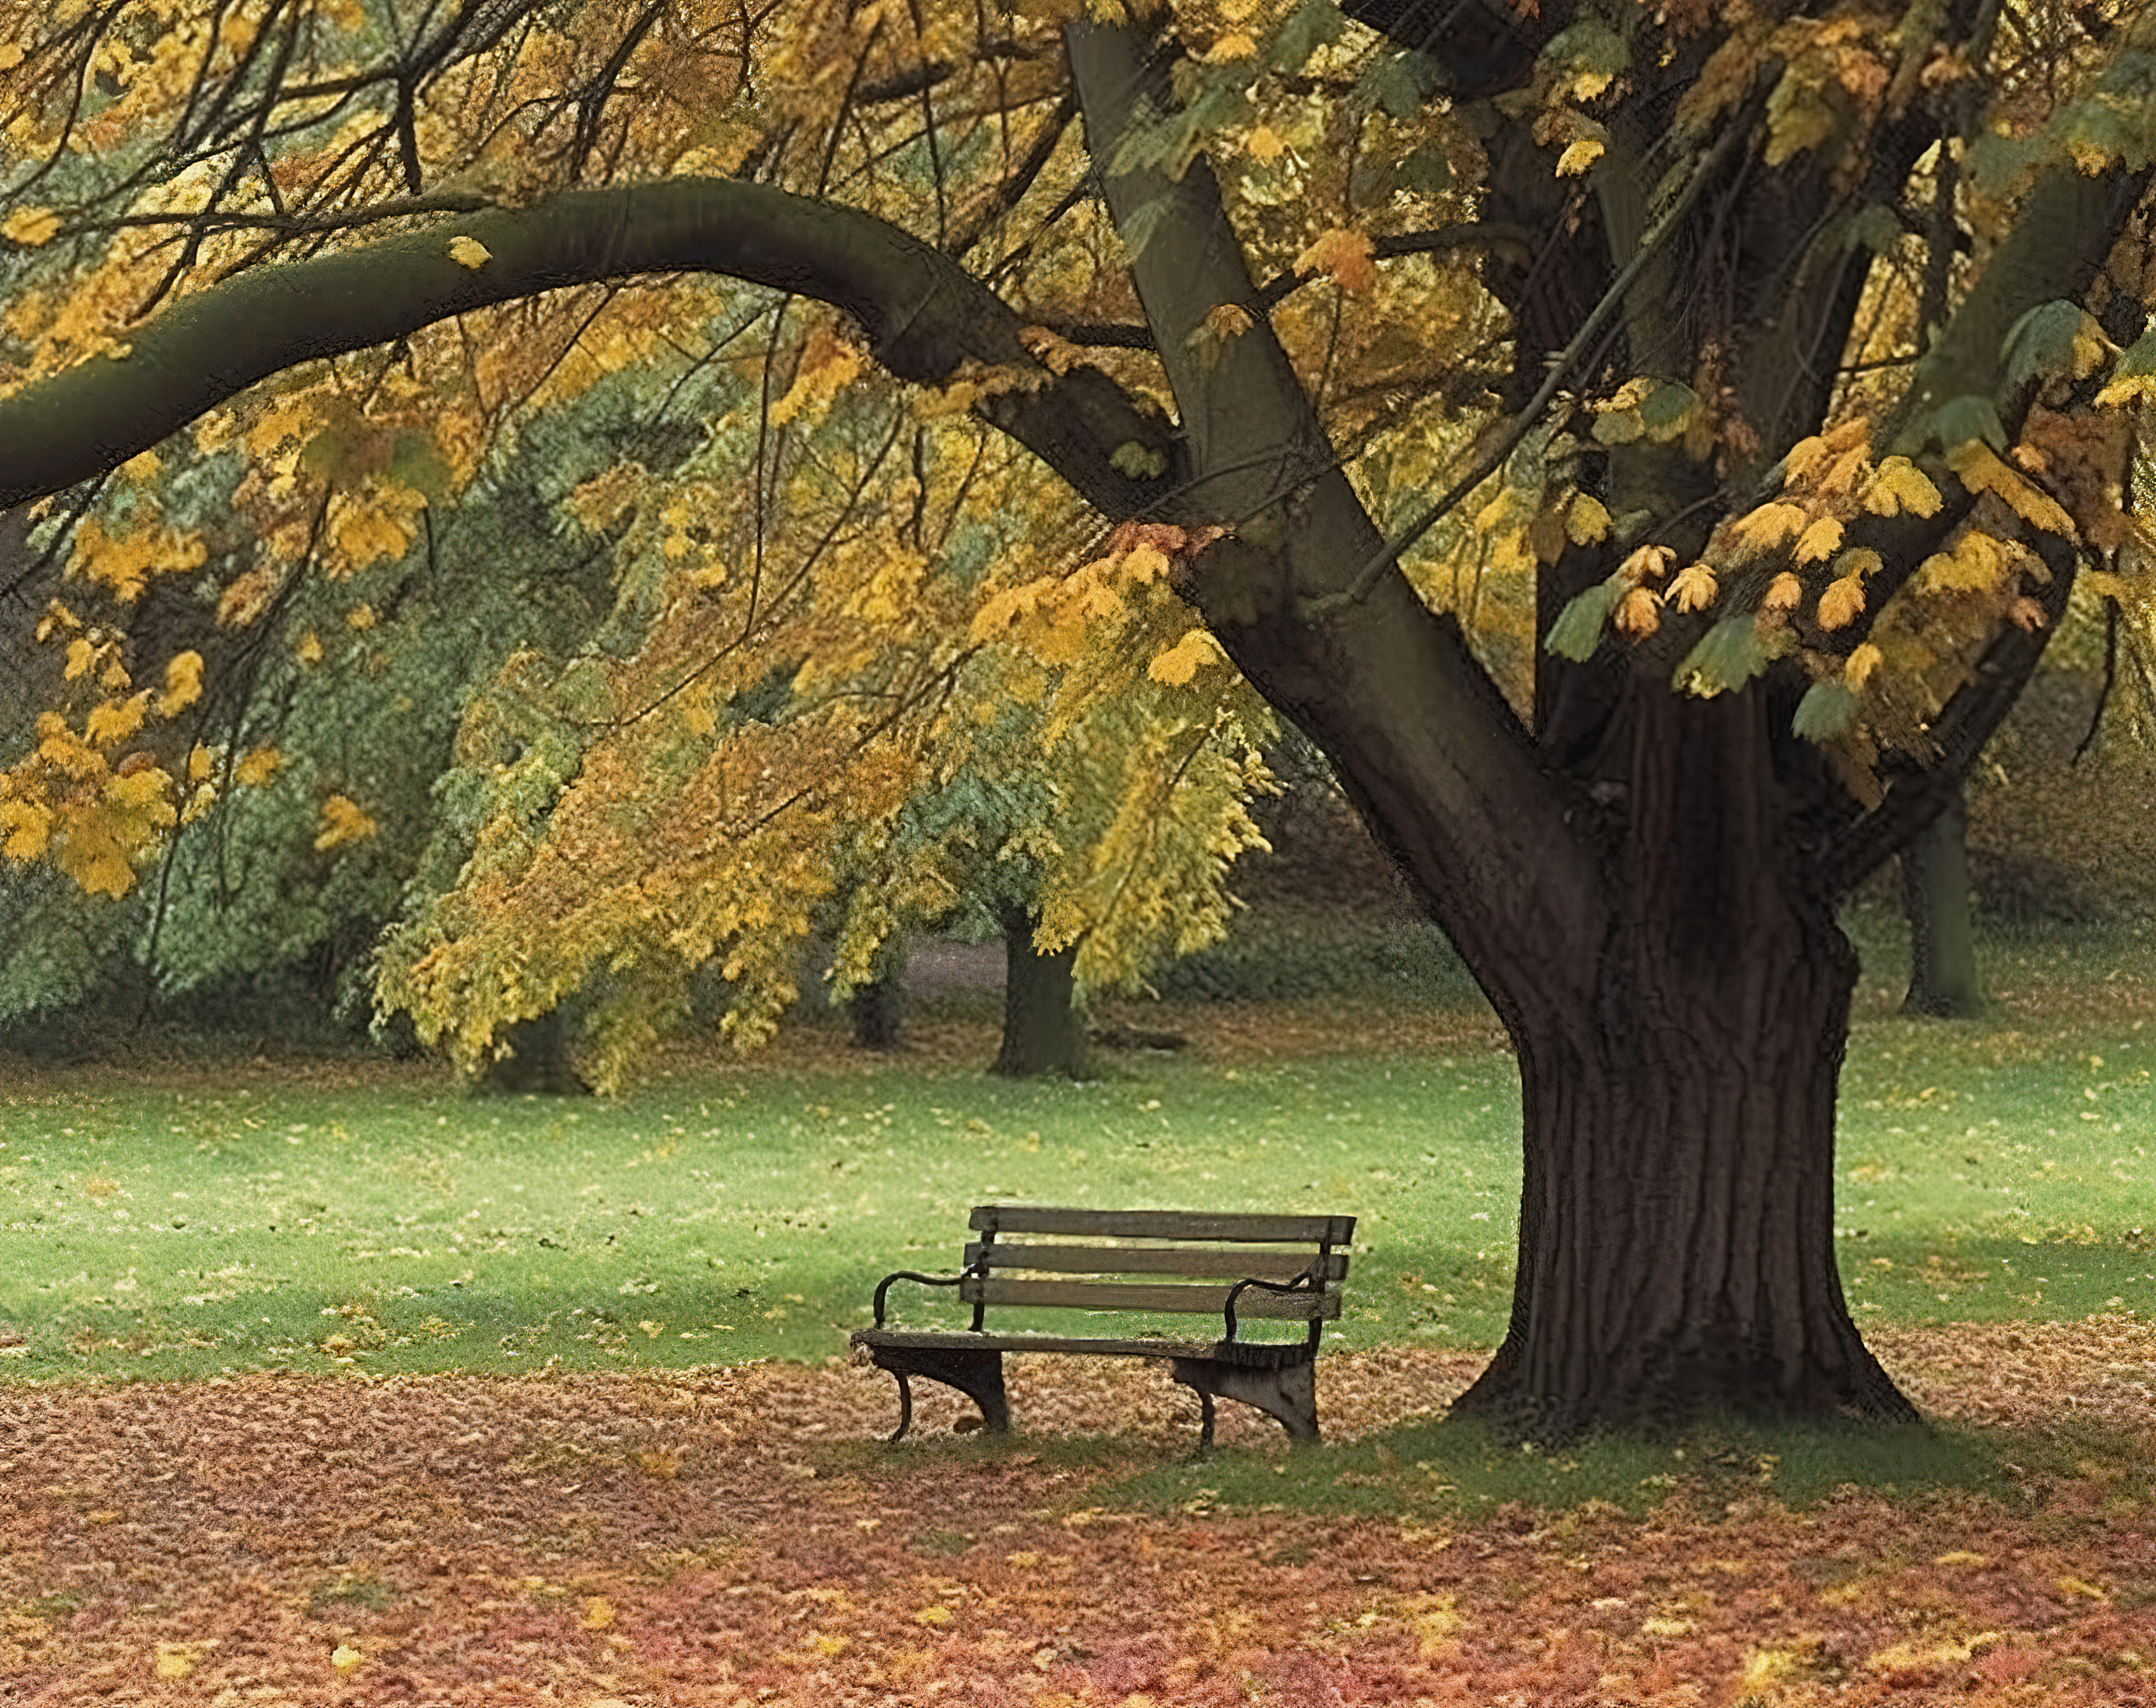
(1289, 1394)
(979, 1376)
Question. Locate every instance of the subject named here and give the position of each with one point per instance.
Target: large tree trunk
(1044, 1029)
(1677, 1210)
(1676, 1236)
(1943, 977)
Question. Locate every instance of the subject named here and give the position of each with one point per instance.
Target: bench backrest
(1156, 1260)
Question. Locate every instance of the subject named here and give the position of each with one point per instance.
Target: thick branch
(1423, 743)
(2068, 224)
(923, 314)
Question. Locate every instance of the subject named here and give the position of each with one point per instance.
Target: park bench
(1233, 1268)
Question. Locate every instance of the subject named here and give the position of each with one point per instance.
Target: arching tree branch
(924, 315)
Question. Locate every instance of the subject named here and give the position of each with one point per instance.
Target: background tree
(1786, 582)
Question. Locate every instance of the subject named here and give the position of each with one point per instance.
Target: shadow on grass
(1460, 1469)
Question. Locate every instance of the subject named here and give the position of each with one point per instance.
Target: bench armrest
(883, 1286)
(1307, 1282)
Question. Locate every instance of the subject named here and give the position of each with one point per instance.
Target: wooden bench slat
(1250, 1355)
(1162, 1224)
(1143, 1346)
(1108, 1296)
(1234, 1265)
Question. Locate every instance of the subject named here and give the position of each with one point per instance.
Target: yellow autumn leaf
(1639, 614)
(116, 720)
(1693, 588)
(1980, 470)
(175, 1660)
(343, 823)
(1343, 254)
(1579, 156)
(308, 649)
(469, 252)
(96, 865)
(1799, 457)
(366, 533)
(1585, 519)
(141, 468)
(1184, 659)
(1228, 320)
(1848, 469)
(1228, 49)
(1820, 541)
(81, 656)
(183, 674)
(932, 1616)
(30, 227)
(360, 616)
(257, 766)
(1764, 529)
(1264, 145)
(1857, 670)
(828, 363)
(1840, 603)
(1051, 350)
(599, 1613)
(344, 1657)
(201, 763)
(25, 828)
(1859, 560)
(1977, 564)
(1782, 593)
(1647, 563)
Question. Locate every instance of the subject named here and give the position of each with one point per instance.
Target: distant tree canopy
(1646, 449)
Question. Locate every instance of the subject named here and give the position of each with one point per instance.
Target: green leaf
(1143, 222)
(1394, 82)
(2042, 342)
(1728, 655)
(1826, 711)
(1961, 419)
(1311, 25)
(1994, 161)
(1666, 411)
(1577, 630)
(1876, 228)
(1591, 52)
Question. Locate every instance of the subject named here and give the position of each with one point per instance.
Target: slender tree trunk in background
(538, 1061)
(1935, 897)
(1043, 1029)
(876, 1006)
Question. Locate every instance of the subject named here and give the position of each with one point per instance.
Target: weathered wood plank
(1108, 1296)
(1234, 1265)
(1256, 1354)
(1160, 1224)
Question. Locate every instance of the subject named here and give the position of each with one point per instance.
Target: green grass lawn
(194, 1225)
